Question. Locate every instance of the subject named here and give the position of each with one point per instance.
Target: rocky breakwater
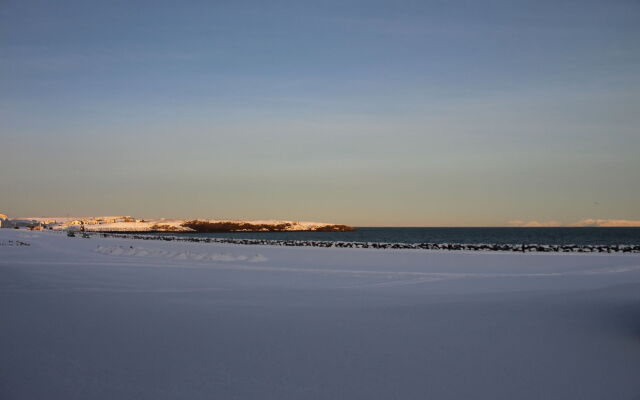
(524, 248)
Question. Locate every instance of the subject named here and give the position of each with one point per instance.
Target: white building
(4, 221)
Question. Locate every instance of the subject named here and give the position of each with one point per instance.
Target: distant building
(20, 223)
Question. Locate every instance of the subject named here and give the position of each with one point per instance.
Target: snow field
(106, 318)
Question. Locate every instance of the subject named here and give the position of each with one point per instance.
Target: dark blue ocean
(550, 236)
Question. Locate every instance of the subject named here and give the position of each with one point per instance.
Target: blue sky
(425, 113)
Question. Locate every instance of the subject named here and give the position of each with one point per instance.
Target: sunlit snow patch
(176, 255)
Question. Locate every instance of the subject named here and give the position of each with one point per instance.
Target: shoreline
(486, 247)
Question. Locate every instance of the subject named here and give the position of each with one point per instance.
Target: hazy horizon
(585, 223)
(411, 113)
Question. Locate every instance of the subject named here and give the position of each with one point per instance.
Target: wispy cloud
(582, 223)
(44, 59)
(606, 222)
(534, 224)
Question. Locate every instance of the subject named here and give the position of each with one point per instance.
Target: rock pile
(524, 248)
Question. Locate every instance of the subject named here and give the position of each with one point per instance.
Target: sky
(368, 113)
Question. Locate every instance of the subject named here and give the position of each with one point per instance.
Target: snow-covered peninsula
(132, 224)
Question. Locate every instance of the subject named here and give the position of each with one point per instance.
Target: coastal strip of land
(135, 225)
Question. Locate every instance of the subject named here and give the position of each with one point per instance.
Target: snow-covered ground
(124, 319)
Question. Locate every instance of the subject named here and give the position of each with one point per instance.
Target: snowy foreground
(128, 319)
